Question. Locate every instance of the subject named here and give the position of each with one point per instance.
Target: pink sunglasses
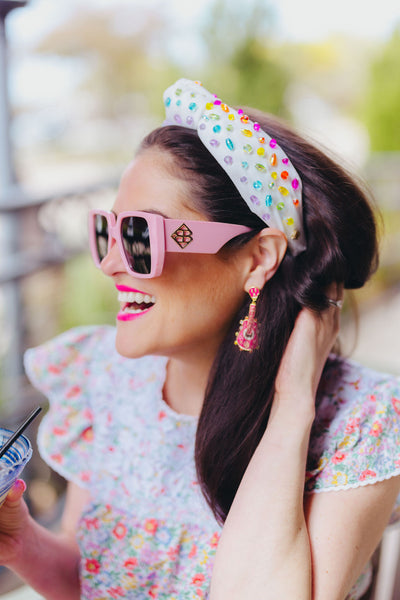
(143, 238)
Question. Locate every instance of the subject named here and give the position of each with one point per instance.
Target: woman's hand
(309, 345)
(14, 517)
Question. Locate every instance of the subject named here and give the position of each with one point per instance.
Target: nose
(112, 262)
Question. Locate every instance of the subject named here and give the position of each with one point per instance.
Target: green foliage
(241, 66)
(127, 70)
(88, 298)
(382, 100)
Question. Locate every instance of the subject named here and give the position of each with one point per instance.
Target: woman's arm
(46, 561)
(271, 548)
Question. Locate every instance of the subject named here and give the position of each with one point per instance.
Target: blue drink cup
(13, 461)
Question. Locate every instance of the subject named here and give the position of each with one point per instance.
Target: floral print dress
(148, 532)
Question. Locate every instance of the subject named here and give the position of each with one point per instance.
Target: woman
(194, 453)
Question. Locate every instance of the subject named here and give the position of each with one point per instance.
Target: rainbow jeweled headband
(258, 167)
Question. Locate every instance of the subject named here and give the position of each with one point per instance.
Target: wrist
(19, 545)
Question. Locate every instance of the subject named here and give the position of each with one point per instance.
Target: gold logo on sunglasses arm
(182, 236)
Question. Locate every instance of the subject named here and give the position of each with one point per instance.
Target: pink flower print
(396, 405)
(173, 553)
(198, 579)
(120, 531)
(130, 563)
(116, 592)
(200, 593)
(88, 414)
(151, 525)
(85, 475)
(214, 540)
(74, 391)
(59, 430)
(54, 369)
(153, 591)
(367, 473)
(92, 565)
(193, 551)
(397, 463)
(87, 434)
(352, 425)
(376, 429)
(372, 397)
(58, 458)
(92, 523)
(338, 457)
(161, 415)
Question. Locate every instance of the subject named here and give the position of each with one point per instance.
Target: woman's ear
(268, 249)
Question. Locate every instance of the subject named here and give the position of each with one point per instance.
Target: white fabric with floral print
(148, 532)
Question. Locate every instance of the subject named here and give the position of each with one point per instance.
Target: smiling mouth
(135, 302)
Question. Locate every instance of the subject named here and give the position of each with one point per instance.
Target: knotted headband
(258, 167)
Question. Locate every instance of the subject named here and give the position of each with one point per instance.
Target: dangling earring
(246, 337)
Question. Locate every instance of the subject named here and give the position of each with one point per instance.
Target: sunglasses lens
(135, 236)
(101, 236)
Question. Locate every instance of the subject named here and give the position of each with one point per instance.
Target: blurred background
(82, 82)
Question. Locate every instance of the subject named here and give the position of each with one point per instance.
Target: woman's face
(196, 295)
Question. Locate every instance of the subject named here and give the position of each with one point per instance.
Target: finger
(16, 492)
(334, 295)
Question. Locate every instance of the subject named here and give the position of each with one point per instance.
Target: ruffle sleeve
(355, 439)
(62, 370)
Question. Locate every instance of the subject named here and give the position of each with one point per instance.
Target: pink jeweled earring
(246, 337)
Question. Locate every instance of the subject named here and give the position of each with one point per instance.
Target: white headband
(258, 167)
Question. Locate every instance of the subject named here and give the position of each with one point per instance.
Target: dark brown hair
(341, 246)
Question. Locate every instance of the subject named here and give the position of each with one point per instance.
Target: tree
(241, 64)
(382, 99)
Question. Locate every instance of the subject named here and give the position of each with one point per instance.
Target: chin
(126, 346)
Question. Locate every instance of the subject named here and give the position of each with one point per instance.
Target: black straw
(19, 431)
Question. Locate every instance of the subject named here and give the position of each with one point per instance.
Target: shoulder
(355, 438)
(72, 350)
(82, 375)
(82, 353)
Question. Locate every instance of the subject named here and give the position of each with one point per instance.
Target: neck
(186, 383)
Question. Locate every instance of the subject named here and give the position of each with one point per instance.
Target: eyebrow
(150, 211)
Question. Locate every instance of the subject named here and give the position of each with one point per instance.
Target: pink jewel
(272, 143)
(254, 293)
(217, 102)
(240, 111)
(285, 161)
(256, 126)
(295, 184)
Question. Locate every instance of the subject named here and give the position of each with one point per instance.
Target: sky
(305, 20)
(298, 20)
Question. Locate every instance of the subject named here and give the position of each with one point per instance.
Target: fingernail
(20, 485)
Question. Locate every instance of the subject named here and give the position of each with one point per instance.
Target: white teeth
(136, 297)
